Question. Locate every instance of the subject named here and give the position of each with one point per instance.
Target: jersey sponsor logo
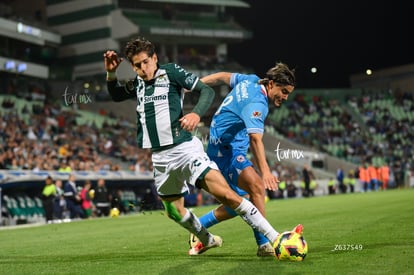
(241, 91)
(256, 114)
(162, 85)
(152, 98)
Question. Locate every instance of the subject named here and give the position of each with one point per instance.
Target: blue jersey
(242, 112)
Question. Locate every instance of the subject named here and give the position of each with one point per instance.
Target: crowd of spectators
(51, 139)
(374, 128)
(390, 130)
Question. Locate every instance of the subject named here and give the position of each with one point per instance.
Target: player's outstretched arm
(217, 79)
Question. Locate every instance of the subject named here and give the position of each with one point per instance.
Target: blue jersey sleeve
(236, 78)
(254, 115)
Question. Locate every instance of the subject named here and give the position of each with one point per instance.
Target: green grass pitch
(362, 233)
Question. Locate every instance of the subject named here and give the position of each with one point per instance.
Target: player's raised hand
(112, 61)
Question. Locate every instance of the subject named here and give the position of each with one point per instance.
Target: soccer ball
(114, 213)
(290, 246)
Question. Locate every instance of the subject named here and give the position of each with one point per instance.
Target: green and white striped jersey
(159, 107)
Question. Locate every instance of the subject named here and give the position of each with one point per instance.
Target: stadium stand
(359, 128)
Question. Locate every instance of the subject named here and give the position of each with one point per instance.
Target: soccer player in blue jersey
(178, 157)
(237, 124)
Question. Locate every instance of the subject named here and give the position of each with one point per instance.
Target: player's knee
(258, 194)
(253, 185)
(254, 190)
(231, 199)
(257, 188)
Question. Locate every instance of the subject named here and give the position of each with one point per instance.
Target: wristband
(110, 75)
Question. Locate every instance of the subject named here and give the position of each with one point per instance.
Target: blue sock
(260, 238)
(208, 219)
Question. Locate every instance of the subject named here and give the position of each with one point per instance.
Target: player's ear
(271, 84)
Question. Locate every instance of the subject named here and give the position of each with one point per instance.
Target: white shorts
(176, 167)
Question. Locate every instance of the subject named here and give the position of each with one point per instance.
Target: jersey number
(196, 163)
(226, 102)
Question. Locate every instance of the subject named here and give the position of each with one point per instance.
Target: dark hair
(281, 74)
(135, 46)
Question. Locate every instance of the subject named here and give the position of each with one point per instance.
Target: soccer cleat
(266, 250)
(193, 240)
(197, 247)
(298, 229)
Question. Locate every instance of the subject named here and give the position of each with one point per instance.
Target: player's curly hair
(281, 74)
(138, 45)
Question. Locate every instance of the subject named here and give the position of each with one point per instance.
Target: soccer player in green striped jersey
(178, 157)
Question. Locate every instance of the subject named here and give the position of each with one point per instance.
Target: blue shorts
(231, 164)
